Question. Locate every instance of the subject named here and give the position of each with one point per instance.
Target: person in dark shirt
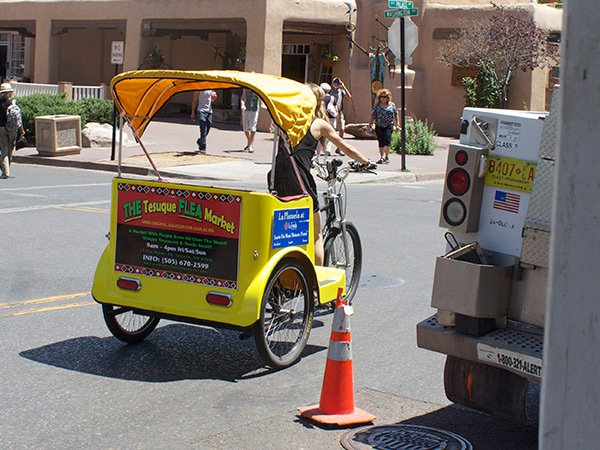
(303, 154)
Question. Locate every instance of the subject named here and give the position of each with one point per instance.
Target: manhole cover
(403, 437)
(381, 281)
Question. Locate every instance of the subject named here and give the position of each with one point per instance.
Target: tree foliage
(507, 42)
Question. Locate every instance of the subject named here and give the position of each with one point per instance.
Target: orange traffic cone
(336, 406)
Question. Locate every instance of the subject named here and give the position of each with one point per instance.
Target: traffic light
(461, 202)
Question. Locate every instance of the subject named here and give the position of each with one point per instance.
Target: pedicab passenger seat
(288, 198)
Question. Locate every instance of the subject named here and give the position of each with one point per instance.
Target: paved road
(65, 382)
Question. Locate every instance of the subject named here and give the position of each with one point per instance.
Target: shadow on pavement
(171, 353)
(483, 431)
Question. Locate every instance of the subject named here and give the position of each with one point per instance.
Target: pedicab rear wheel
(126, 325)
(286, 314)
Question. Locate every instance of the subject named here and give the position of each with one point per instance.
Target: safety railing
(80, 92)
(24, 89)
(77, 92)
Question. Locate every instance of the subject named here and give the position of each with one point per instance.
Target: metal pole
(112, 147)
(403, 103)
(120, 145)
(274, 156)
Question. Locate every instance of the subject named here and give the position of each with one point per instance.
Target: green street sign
(396, 13)
(400, 4)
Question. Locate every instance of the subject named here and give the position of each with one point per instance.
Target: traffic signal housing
(463, 189)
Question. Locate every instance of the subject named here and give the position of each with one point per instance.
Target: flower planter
(58, 135)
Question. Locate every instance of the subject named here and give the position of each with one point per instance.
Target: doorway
(294, 67)
(294, 62)
(3, 61)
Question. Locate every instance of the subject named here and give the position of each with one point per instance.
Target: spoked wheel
(126, 325)
(286, 314)
(335, 256)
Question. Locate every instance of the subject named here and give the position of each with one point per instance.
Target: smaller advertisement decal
(291, 227)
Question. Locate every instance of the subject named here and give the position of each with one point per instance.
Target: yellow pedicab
(230, 258)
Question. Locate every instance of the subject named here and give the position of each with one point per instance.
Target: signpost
(117, 51)
(402, 9)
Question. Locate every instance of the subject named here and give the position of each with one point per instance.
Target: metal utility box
(58, 135)
(475, 290)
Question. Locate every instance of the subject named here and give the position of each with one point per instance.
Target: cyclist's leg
(319, 250)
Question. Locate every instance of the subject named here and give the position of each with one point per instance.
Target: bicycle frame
(335, 200)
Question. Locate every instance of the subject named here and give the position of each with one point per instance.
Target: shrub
(481, 90)
(95, 110)
(90, 110)
(420, 138)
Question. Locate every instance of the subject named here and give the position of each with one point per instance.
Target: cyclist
(286, 175)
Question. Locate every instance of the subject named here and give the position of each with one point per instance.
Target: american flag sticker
(505, 201)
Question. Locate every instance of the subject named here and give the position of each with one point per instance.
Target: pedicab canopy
(140, 94)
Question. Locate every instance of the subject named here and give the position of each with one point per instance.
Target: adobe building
(48, 41)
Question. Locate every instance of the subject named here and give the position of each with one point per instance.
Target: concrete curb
(89, 165)
(172, 172)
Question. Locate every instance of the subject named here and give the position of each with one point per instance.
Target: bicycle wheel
(126, 325)
(286, 315)
(335, 256)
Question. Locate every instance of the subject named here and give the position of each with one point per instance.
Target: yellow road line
(49, 308)
(44, 300)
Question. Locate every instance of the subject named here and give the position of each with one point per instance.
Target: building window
(18, 56)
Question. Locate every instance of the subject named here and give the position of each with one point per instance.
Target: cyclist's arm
(322, 129)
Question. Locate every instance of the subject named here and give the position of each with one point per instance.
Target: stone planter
(58, 135)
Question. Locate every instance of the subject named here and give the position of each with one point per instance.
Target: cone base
(357, 417)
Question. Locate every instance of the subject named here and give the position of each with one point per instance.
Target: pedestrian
(285, 182)
(250, 106)
(331, 111)
(339, 91)
(385, 117)
(202, 111)
(11, 125)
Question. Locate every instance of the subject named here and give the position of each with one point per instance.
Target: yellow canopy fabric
(139, 94)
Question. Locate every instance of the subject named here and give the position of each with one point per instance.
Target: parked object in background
(99, 135)
(360, 131)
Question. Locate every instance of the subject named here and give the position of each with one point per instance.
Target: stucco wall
(83, 57)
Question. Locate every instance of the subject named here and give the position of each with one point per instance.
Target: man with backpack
(11, 123)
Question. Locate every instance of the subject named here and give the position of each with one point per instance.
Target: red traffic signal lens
(458, 181)
(461, 157)
(455, 212)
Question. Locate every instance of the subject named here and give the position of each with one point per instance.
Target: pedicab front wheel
(286, 314)
(126, 325)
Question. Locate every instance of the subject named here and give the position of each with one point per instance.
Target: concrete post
(570, 404)
(133, 44)
(66, 87)
(264, 42)
(46, 53)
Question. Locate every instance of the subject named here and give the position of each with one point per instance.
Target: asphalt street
(67, 383)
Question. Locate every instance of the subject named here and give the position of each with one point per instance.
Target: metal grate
(403, 436)
(532, 344)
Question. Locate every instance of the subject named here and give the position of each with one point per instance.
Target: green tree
(507, 42)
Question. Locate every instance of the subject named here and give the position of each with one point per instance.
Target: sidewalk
(172, 145)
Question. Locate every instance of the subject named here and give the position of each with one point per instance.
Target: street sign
(400, 4)
(395, 13)
(411, 39)
(116, 53)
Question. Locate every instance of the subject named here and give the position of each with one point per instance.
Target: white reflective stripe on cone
(339, 351)
(341, 321)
